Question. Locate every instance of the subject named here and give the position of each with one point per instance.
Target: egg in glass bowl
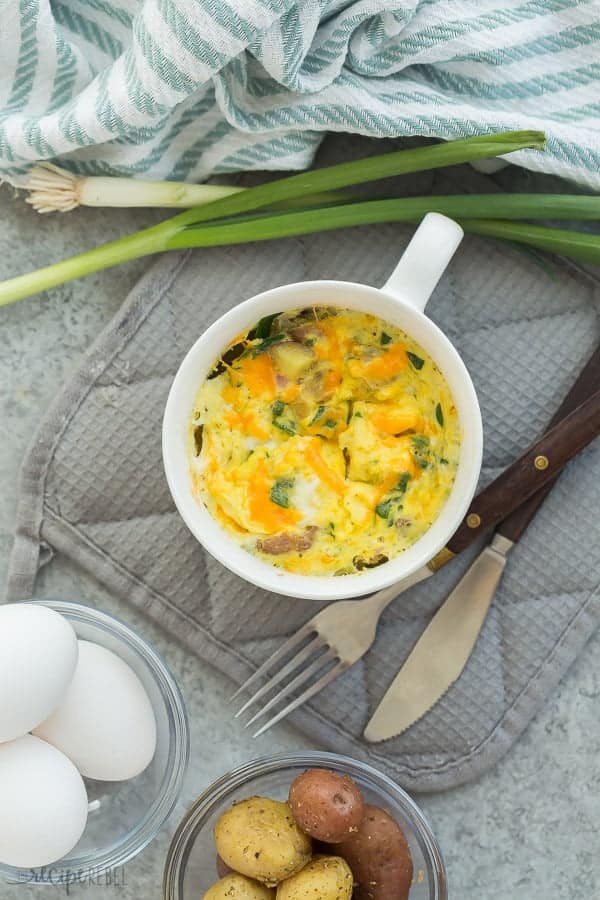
(119, 817)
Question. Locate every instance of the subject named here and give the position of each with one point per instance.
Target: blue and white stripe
(184, 88)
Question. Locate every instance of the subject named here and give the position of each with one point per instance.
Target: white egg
(44, 806)
(38, 655)
(106, 723)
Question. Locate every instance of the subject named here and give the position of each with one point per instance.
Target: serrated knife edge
(442, 651)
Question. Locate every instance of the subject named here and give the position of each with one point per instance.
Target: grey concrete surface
(527, 830)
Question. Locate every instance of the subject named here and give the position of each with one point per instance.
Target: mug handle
(424, 261)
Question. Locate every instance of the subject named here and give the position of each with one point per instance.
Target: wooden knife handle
(532, 471)
(588, 381)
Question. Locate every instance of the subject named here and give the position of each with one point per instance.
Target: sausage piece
(286, 542)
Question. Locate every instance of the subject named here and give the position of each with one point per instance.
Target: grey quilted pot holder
(93, 488)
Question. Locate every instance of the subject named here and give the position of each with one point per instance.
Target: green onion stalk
(259, 213)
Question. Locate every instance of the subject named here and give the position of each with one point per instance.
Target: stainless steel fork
(326, 646)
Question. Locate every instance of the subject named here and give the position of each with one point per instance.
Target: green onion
(286, 427)
(415, 360)
(263, 329)
(198, 436)
(361, 171)
(439, 414)
(53, 189)
(383, 509)
(266, 343)
(411, 209)
(176, 233)
(403, 482)
(279, 492)
(578, 245)
(317, 415)
(421, 449)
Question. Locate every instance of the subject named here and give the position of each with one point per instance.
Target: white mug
(401, 301)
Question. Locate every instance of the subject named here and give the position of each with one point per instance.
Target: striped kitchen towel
(181, 89)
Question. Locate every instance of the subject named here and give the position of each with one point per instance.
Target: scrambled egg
(326, 441)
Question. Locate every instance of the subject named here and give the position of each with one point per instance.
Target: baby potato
(260, 838)
(292, 359)
(327, 806)
(324, 878)
(379, 857)
(238, 887)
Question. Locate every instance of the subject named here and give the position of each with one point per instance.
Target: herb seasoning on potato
(379, 856)
(325, 441)
(260, 839)
(238, 887)
(324, 878)
(327, 806)
(358, 848)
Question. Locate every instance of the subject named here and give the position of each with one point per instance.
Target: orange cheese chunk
(263, 512)
(386, 485)
(332, 380)
(230, 394)
(323, 472)
(386, 365)
(397, 421)
(248, 424)
(402, 458)
(291, 392)
(259, 376)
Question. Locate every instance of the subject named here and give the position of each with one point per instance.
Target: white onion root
(52, 189)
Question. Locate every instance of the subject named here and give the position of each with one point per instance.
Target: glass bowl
(190, 868)
(124, 817)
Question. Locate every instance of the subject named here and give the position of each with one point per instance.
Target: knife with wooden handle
(440, 655)
(588, 381)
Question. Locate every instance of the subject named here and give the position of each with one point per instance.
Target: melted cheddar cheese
(326, 441)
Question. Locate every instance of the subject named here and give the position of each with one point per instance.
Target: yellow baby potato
(238, 887)
(324, 878)
(260, 839)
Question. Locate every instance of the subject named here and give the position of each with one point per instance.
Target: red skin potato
(379, 856)
(222, 868)
(326, 806)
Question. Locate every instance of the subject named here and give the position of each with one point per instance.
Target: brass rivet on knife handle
(524, 478)
(473, 520)
(541, 462)
(440, 559)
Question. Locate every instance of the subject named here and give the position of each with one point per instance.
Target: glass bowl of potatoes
(301, 827)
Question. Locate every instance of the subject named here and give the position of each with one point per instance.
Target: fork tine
(308, 693)
(289, 667)
(296, 682)
(285, 648)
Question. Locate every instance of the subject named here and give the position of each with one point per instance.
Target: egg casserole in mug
(325, 441)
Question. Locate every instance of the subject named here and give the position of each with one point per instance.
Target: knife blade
(440, 655)
(444, 647)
